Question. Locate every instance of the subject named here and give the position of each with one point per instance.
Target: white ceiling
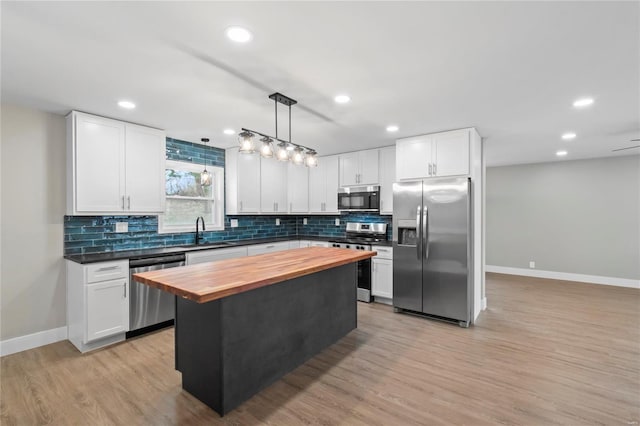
(511, 69)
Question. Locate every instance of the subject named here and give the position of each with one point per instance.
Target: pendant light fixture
(205, 176)
(285, 150)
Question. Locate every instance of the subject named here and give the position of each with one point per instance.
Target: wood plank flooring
(544, 352)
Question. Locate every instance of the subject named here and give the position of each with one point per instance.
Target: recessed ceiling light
(392, 128)
(239, 34)
(561, 153)
(229, 131)
(126, 104)
(568, 136)
(583, 102)
(342, 99)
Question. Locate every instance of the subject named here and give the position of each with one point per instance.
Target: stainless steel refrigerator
(432, 248)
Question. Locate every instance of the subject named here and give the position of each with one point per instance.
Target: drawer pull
(108, 268)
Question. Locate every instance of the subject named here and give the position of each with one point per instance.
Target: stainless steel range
(360, 236)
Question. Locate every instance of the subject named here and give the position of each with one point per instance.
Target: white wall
(32, 281)
(576, 217)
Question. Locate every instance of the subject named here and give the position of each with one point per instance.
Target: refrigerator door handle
(425, 224)
(419, 230)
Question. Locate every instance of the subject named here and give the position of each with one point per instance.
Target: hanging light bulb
(267, 147)
(205, 176)
(311, 159)
(283, 152)
(246, 142)
(298, 156)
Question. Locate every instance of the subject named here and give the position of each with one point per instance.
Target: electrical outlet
(305, 221)
(277, 222)
(532, 264)
(337, 222)
(234, 223)
(122, 226)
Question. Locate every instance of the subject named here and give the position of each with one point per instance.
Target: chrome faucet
(198, 236)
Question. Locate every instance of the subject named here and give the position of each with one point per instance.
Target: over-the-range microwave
(359, 198)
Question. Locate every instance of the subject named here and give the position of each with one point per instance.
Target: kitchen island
(241, 324)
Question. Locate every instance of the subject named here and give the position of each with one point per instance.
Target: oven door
(364, 280)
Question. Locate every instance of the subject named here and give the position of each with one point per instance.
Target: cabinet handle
(382, 205)
(123, 202)
(128, 203)
(108, 268)
(270, 246)
(430, 169)
(290, 207)
(434, 169)
(124, 287)
(240, 205)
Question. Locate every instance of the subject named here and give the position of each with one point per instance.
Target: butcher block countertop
(214, 280)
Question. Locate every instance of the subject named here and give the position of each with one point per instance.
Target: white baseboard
(566, 276)
(30, 341)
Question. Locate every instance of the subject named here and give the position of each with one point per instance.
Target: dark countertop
(163, 251)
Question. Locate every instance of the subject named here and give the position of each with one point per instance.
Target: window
(186, 199)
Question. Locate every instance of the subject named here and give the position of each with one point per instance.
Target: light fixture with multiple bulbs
(285, 150)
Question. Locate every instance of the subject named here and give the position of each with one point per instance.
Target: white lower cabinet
(97, 303)
(107, 312)
(212, 255)
(294, 244)
(382, 272)
(267, 248)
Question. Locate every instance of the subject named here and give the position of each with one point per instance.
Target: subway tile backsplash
(94, 234)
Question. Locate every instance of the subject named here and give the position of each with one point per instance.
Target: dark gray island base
(229, 349)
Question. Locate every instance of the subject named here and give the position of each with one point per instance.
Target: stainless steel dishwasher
(150, 308)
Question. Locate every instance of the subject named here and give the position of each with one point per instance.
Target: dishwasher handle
(158, 260)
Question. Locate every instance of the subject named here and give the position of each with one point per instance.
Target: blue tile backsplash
(94, 234)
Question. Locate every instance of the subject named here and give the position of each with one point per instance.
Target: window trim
(217, 196)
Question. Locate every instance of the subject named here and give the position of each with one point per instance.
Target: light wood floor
(545, 352)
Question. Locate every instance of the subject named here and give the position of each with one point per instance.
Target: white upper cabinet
(387, 178)
(114, 167)
(273, 185)
(242, 182)
(145, 168)
(298, 189)
(359, 168)
(439, 154)
(323, 186)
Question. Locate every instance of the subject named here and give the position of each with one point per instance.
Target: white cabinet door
(332, 184)
(248, 179)
(107, 309)
(205, 256)
(273, 185)
(323, 185)
(145, 155)
(305, 243)
(349, 168)
(267, 248)
(317, 187)
(451, 153)
(413, 157)
(294, 244)
(382, 278)
(99, 164)
(387, 178)
(368, 167)
(298, 189)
